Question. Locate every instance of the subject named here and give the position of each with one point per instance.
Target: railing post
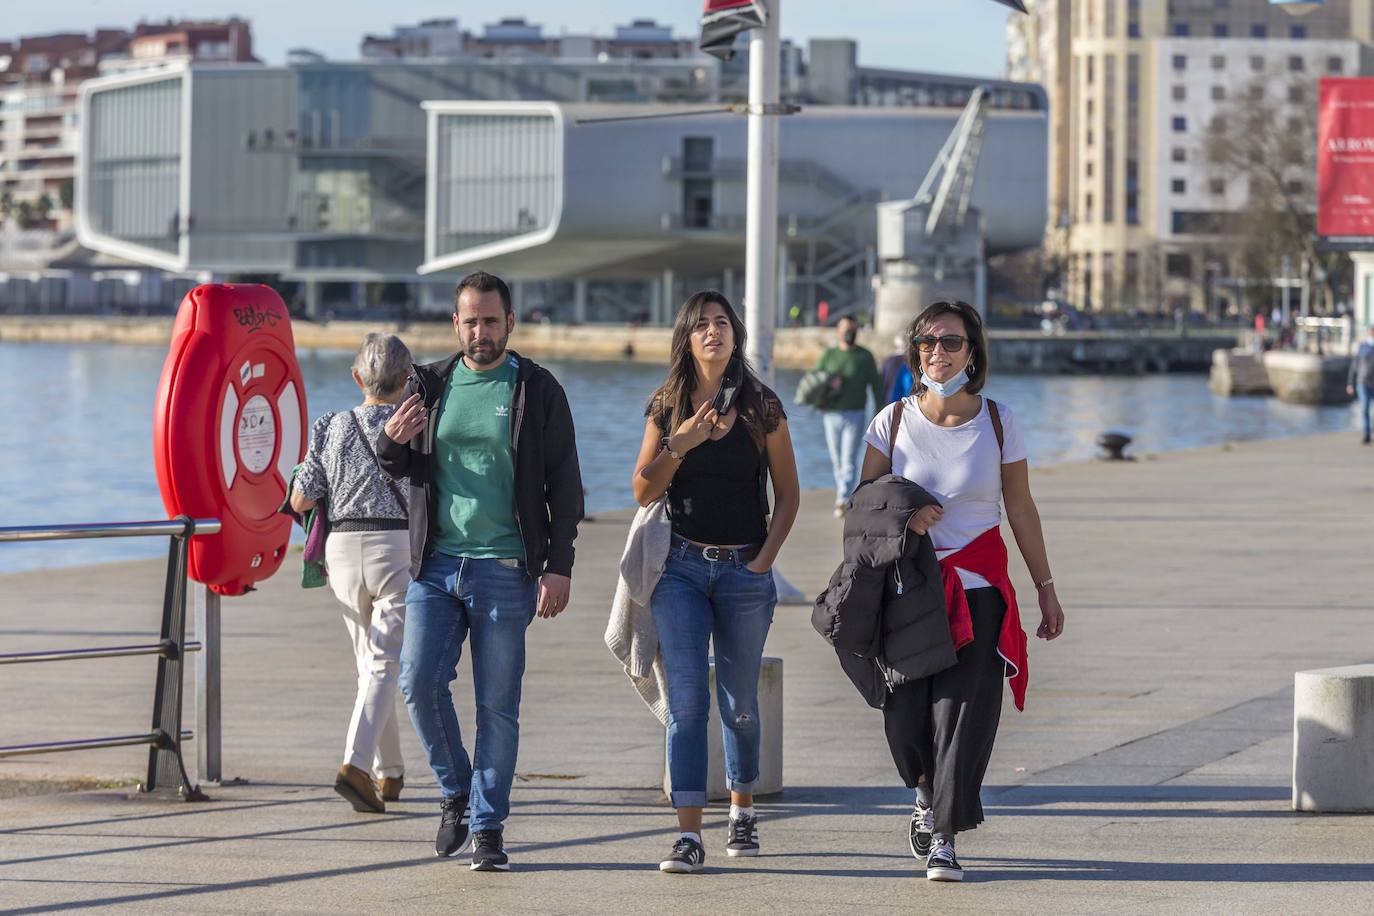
(166, 769)
(207, 686)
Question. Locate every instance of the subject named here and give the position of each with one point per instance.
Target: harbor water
(77, 421)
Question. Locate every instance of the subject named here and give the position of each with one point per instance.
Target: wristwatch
(669, 449)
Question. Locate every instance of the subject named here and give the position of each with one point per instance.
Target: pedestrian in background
(1361, 380)
(367, 555)
(852, 374)
(713, 437)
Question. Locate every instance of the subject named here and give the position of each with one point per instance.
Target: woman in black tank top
(713, 437)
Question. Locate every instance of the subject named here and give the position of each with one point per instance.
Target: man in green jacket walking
(853, 373)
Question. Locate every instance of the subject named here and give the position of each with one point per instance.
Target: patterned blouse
(338, 467)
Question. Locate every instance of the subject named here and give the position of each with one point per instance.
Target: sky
(949, 36)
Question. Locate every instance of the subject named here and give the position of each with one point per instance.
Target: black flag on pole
(722, 20)
(1017, 5)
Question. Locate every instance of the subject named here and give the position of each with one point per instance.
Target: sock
(736, 812)
(923, 796)
(693, 836)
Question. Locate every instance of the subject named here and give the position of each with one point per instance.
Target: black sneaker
(488, 854)
(744, 837)
(922, 825)
(453, 835)
(942, 866)
(687, 858)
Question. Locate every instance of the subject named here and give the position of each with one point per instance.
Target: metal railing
(166, 768)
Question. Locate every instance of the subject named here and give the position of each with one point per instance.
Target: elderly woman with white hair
(368, 558)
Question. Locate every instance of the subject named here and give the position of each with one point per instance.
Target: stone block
(1333, 739)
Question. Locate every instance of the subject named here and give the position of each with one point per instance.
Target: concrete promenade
(1149, 773)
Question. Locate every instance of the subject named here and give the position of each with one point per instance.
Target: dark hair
(973, 330)
(483, 282)
(671, 403)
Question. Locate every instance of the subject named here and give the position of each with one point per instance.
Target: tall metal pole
(761, 231)
(208, 686)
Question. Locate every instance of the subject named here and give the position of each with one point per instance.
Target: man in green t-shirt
(853, 373)
(486, 440)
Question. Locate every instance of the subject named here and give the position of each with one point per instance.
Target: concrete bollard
(770, 737)
(1333, 739)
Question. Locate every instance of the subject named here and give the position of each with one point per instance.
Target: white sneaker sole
(679, 868)
(944, 874)
(742, 853)
(490, 866)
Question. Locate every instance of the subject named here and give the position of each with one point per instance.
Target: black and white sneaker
(687, 858)
(453, 835)
(922, 825)
(942, 866)
(488, 854)
(744, 836)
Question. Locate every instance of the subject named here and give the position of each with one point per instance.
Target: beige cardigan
(630, 632)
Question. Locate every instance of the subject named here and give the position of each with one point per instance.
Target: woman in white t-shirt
(968, 453)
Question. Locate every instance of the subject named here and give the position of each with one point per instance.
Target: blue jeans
(698, 601)
(1366, 395)
(492, 601)
(844, 435)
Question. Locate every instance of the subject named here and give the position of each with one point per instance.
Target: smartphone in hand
(724, 401)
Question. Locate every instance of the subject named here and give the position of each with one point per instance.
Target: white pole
(761, 230)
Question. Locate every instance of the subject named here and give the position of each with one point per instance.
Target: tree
(1271, 147)
(6, 205)
(24, 214)
(66, 193)
(44, 208)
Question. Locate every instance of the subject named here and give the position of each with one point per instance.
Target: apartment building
(641, 39)
(1143, 217)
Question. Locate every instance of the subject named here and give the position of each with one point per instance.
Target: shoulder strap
(362, 434)
(996, 422)
(892, 433)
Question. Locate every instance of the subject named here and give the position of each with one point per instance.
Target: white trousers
(369, 572)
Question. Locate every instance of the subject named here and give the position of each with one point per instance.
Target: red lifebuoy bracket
(229, 426)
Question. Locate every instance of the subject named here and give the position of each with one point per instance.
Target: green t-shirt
(860, 373)
(475, 466)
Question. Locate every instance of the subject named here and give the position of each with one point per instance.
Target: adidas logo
(503, 411)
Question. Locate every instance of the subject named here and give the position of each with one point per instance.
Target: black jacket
(884, 609)
(548, 483)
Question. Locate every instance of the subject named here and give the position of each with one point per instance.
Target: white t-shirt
(958, 465)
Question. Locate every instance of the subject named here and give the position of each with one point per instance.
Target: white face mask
(947, 389)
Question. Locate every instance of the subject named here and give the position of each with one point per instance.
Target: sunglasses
(950, 343)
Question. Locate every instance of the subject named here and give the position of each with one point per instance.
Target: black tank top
(715, 497)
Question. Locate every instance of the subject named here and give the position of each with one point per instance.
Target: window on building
(1178, 186)
(1088, 169)
(1218, 61)
(1335, 65)
(1294, 186)
(1132, 30)
(1179, 154)
(1180, 30)
(1088, 206)
(1218, 93)
(1180, 124)
(1217, 186)
(1296, 64)
(1295, 94)
(1257, 91)
(1218, 124)
(698, 193)
(1297, 31)
(1259, 30)
(1257, 64)
(1091, 70)
(1219, 30)
(1178, 265)
(1180, 93)
(1222, 4)
(1180, 61)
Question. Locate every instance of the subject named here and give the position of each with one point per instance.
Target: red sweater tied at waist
(986, 556)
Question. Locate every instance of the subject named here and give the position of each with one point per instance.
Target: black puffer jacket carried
(884, 609)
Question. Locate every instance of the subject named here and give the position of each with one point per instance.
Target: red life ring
(229, 426)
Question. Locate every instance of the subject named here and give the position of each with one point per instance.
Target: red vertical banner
(1345, 158)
